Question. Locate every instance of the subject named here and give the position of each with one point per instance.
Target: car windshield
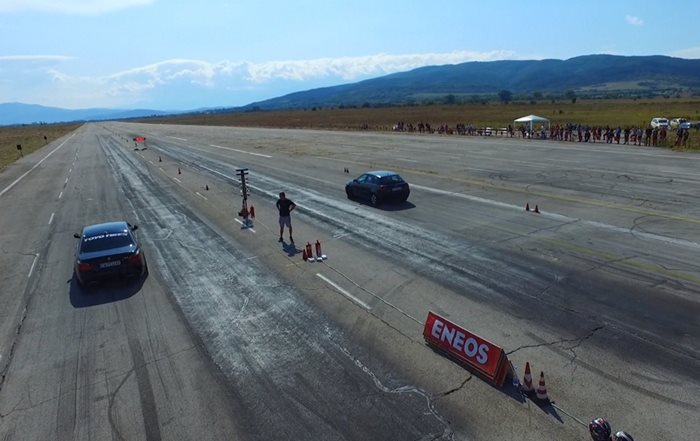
(106, 241)
(392, 179)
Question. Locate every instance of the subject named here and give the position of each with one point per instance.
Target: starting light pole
(245, 213)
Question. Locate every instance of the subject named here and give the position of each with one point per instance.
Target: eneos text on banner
(485, 357)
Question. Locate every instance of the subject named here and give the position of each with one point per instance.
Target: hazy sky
(187, 54)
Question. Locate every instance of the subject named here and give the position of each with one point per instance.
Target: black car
(108, 250)
(378, 186)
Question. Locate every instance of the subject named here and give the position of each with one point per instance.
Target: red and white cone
(527, 207)
(537, 209)
(541, 394)
(527, 380)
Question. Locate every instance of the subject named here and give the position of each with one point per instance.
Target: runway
(234, 336)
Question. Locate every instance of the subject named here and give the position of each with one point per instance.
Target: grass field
(598, 112)
(30, 137)
(623, 113)
(615, 113)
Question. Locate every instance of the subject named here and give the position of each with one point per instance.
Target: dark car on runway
(378, 186)
(108, 250)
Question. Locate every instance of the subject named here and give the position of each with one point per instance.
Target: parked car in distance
(108, 250)
(680, 123)
(659, 122)
(378, 186)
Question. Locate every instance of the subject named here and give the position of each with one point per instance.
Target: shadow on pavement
(290, 249)
(106, 291)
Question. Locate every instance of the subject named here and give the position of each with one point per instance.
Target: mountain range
(590, 76)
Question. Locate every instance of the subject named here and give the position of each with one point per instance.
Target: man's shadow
(290, 248)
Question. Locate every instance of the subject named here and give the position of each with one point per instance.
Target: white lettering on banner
(474, 347)
(447, 334)
(483, 354)
(437, 326)
(456, 339)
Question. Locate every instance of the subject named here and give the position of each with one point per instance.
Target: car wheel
(373, 199)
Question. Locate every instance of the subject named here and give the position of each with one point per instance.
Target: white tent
(530, 119)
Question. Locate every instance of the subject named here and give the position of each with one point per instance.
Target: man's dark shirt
(283, 205)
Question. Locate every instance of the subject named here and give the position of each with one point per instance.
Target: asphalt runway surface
(233, 336)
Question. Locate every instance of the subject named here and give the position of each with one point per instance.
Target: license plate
(110, 264)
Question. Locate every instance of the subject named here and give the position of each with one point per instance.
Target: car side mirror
(76, 235)
(134, 227)
(354, 180)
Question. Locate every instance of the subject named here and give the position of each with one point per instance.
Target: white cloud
(34, 58)
(692, 52)
(141, 84)
(77, 7)
(634, 21)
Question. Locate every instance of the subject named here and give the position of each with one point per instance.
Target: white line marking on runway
(563, 218)
(179, 139)
(343, 292)
(60, 195)
(66, 181)
(31, 270)
(178, 180)
(239, 151)
(150, 162)
(200, 195)
(6, 189)
(70, 171)
(406, 160)
(51, 218)
(241, 222)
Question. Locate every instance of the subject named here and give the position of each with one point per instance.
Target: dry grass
(30, 137)
(623, 113)
(594, 112)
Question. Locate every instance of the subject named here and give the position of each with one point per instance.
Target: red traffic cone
(537, 210)
(303, 254)
(179, 172)
(160, 159)
(527, 380)
(207, 187)
(527, 207)
(309, 253)
(542, 390)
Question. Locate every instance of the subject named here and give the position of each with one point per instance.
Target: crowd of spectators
(569, 132)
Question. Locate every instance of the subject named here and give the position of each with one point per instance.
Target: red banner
(140, 139)
(467, 347)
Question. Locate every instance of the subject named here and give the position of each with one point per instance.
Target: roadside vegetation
(605, 112)
(602, 113)
(31, 137)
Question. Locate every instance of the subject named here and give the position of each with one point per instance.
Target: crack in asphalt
(577, 342)
(456, 389)
(11, 352)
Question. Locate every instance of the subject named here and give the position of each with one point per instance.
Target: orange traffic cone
(527, 207)
(542, 390)
(537, 210)
(527, 380)
(303, 254)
